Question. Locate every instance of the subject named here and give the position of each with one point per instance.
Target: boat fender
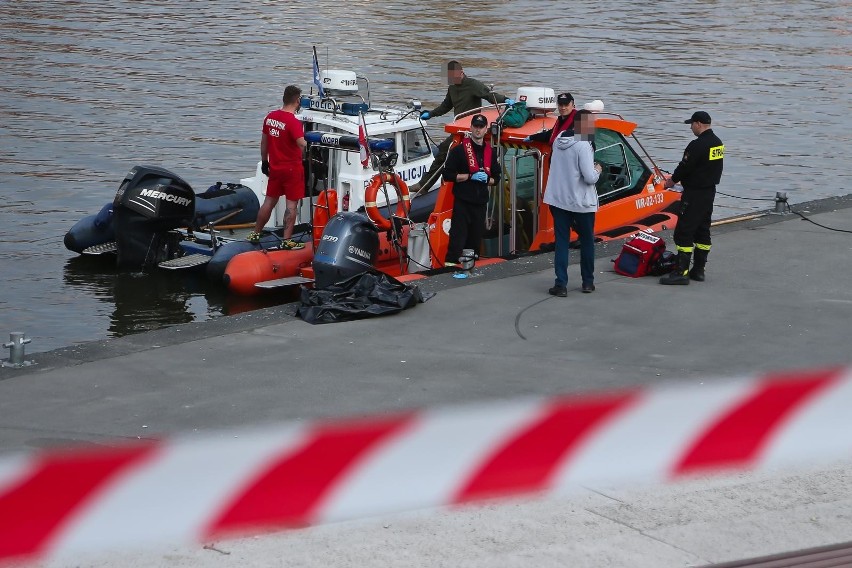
(403, 205)
(325, 209)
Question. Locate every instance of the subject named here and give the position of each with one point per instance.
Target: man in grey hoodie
(573, 199)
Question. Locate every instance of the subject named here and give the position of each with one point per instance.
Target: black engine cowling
(348, 246)
(150, 202)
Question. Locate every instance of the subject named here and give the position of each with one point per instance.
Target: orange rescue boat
(631, 192)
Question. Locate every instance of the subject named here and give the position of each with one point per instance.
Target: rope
(804, 218)
(520, 313)
(749, 198)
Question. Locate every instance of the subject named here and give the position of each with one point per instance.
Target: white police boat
(332, 123)
(337, 125)
(332, 126)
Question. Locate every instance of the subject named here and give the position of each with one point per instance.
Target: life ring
(402, 203)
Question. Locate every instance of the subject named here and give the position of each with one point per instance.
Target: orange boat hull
(651, 206)
(248, 268)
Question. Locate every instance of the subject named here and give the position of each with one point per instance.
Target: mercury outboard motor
(348, 246)
(149, 203)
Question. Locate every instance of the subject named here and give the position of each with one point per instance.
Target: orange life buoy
(402, 203)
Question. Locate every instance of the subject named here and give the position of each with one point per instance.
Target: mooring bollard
(16, 347)
(781, 207)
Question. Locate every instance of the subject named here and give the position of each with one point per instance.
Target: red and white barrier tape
(194, 489)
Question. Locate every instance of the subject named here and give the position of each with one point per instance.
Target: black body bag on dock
(365, 295)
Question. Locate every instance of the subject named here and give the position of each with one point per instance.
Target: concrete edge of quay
(437, 281)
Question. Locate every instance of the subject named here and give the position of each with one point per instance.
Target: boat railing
(366, 82)
(503, 106)
(480, 109)
(606, 113)
(514, 211)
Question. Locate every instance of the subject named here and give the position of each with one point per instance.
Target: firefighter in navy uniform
(699, 172)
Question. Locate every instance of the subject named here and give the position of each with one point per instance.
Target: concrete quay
(776, 297)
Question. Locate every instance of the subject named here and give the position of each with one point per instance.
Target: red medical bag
(640, 255)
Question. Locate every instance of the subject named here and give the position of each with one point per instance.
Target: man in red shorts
(281, 148)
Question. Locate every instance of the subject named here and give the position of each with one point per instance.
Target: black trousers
(466, 228)
(693, 223)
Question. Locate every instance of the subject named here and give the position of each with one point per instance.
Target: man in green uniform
(463, 94)
(699, 172)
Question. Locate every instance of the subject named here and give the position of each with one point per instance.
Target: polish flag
(362, 142)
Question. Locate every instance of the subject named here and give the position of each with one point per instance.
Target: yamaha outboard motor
(348, 246)
(149, 203)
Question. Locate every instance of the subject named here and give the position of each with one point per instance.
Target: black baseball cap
(564, 98)
(699, 116)
(479, 120)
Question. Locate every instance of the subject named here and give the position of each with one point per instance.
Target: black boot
(680, 275)
(697, 272)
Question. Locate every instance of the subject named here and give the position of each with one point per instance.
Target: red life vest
(472, 164)
(562, 126)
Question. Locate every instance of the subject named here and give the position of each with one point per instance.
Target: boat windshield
(414, 145)
(624, 172)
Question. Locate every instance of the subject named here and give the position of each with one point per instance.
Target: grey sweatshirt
(572, 178)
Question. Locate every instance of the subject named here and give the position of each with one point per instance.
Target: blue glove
(527, 139)
(509, 102)
(425, 115)
(480, 176)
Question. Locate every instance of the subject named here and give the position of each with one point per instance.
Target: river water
(91, 89)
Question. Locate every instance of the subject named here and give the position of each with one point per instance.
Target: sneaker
(290, 244)
(588, 288)
(559, 291)
(253, 237)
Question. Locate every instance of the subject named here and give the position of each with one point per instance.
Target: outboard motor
(149, 203)
(348, 246)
